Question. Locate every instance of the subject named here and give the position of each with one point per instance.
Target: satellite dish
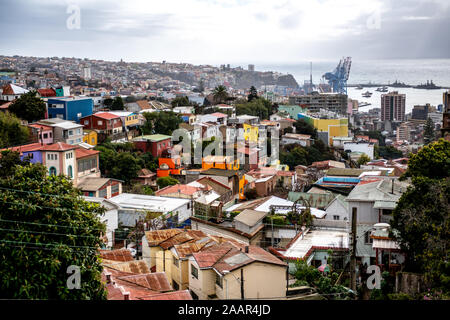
(164, 166)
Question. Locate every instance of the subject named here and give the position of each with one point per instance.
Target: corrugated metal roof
(136, 267)
(175, 295)
(155, 281)
(155, 237)
(116, 255)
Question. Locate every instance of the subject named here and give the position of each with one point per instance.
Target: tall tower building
(87, 73)
(393, 106)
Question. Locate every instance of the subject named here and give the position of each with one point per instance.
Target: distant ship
(397, 84)
(367, 94)
(429, 85)
(382, 89)
(359, 87)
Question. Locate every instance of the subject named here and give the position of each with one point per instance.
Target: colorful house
(331, 127)
(220, 162)
(41, 133)
(90, 137)
(103, 122)
(70, 108)
(156, 144)
(251, 132)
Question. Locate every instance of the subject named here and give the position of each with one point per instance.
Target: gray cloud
(32, 28)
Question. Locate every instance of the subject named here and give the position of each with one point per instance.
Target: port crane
(338, 78)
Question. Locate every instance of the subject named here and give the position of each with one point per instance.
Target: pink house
(41, 133)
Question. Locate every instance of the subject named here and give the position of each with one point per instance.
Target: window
(367, 238)
(102, 193)
(335, 217)
(86, 122)
(194, 296)
(194, 271)
(176, 262)
(100, 122)
(69, 172)
(176, 286)
(45, 135)
(115, 188)
(219, 280)
(93, 141)
(70, 132)
(52, 171)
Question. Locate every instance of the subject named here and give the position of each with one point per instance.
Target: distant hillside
(245, 79)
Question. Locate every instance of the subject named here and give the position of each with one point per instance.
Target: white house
(373, 203)
(365, 147)
(133, 207)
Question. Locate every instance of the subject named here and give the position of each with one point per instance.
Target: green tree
(163, 182)
(117, 103)
(220, 94)
(253, 94)
(251, 194)
(422, 221)
(428, 131)
(303, 127)
(363, 159)
(45, 227)
(164, 122)
(126, 167)
(389, 152)
(181, 102)
(431, 161)
(29, 107)
(12, 133)
(108, 102)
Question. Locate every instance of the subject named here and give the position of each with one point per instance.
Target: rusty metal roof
(185, 236)
(116, 255)
(136, 267)
(175, 295)
(155, 237)
(154, 281)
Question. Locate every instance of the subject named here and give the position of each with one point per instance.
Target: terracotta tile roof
(178, 188)
(40, 126)
(219, 115)
(58, 146)
(47, 92)
(25, 148)
(106, 115)
(117, 255)
(175, 295)
(81, 152)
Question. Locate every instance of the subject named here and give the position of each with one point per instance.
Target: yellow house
(334, 127)
(251, 133)
(225, 271)
(90, 137)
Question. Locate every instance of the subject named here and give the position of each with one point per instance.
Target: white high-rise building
(87, 73)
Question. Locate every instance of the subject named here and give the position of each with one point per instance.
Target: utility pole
(353, 253)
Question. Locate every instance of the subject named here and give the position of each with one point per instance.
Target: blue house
(70, 108)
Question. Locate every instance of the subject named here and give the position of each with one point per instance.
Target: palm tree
(220, 94)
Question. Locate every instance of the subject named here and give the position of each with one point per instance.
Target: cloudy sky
(226, 31)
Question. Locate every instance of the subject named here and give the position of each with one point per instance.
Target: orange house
(220, 162)
(168, 166)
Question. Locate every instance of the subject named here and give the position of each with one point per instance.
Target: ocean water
(411, 72)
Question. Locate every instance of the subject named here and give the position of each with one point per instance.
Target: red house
(156, 144)
(103, 122)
